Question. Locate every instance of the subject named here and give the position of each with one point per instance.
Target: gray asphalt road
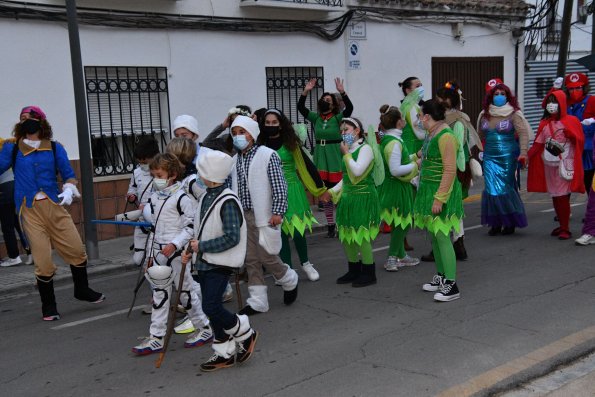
(520, 294)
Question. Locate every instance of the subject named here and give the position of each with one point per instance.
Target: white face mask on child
(159, 184)
(144, 167)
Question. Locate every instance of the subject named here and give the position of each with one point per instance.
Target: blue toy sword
(122, 223)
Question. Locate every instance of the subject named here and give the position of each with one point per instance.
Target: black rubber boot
(82, 291)
(355, 268)
(460, 250)
(45, 285)
(366, 277)
(331, 231)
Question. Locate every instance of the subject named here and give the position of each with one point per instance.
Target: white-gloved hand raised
(588, 121)
(558, 82)
(69, 191)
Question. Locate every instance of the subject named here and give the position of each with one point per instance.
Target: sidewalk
(114, 256)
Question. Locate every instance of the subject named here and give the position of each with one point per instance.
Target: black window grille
(124, 104)
(284, 87)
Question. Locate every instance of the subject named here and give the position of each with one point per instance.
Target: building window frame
(125, 103)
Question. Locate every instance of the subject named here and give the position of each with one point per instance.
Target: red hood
(563, 105)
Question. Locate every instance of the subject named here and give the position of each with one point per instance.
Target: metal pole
(564, 38)
(82, 125)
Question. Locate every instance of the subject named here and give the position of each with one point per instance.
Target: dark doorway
(472, 73)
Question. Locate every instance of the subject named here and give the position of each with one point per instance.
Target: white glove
(68, 192)
(558, 82)
(588, 121)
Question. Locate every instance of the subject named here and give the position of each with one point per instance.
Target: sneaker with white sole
(185, 326)
(585, 239)
(217, 362)
(391, 264)
(448, 291)
(200, 337)
(11, 262)
(311, 273)
(149, 345)
(435, 284)
(407, 261)
(228, 294)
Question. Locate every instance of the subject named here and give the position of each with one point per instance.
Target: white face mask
(159, 184)
(144, 167)
(552, 108)
(421, 91)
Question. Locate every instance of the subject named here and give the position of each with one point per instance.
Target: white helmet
(160, 276)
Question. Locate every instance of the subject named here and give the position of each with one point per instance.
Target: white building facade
(204, 57)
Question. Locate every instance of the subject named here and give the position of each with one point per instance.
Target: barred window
(284, 87)
(124, 104)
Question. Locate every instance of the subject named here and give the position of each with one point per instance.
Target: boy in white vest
(261, 187)
(220, 243)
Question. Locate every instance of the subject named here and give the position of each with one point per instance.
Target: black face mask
(324, 106)
(269, 130)
(275, 143)
(30, 126)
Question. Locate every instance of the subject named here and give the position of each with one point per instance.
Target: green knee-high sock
(285, 253)
(367, 254)
(437, 256)
(447, 256)
(352, 251)
(397, 242)
(300, 246)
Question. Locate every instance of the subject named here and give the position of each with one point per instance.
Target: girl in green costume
(396, 192)
(278, 134)
(327, 155)
(358, 210)
(413, 133)
(438, 205)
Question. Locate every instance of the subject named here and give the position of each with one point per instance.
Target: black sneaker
(217, 362)
(495, 230)
(459, 247)
(428, 258)
(331, 231)
(246, 348)
(290, 296)
(435, 284)
(248, 311)
(448, 291)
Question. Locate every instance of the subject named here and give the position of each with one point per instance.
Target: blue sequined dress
(501, 203)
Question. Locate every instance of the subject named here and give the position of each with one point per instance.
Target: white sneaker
(407, 261)
(228, 294)
(11, 262)
(585, 239)
(435, 284)
(185, 326)
(200, 337)
(310, 271)
(391, 264)
(148, 346)
(29, 259)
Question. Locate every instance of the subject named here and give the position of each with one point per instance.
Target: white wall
(213, 71)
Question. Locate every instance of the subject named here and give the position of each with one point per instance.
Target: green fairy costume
(429, 183)
(358, 209)
(298, 216)
(411, 101)
(396, 193)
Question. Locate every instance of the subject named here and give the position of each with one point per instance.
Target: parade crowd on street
(234, 201)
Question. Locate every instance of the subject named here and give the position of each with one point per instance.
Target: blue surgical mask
(421, 91)
(348, 139)
(240, 142)
(499, 100)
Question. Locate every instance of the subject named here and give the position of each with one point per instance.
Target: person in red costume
(544, 166)
(582, 105)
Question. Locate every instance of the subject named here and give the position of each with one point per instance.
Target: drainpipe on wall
(564, 38)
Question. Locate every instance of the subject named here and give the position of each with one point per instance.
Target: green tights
(444, 254)
(300, 245)
(397, 242)
(354, 250)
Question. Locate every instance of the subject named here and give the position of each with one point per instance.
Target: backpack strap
(179, 206)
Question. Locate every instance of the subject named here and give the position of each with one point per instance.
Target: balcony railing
(327, 5)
